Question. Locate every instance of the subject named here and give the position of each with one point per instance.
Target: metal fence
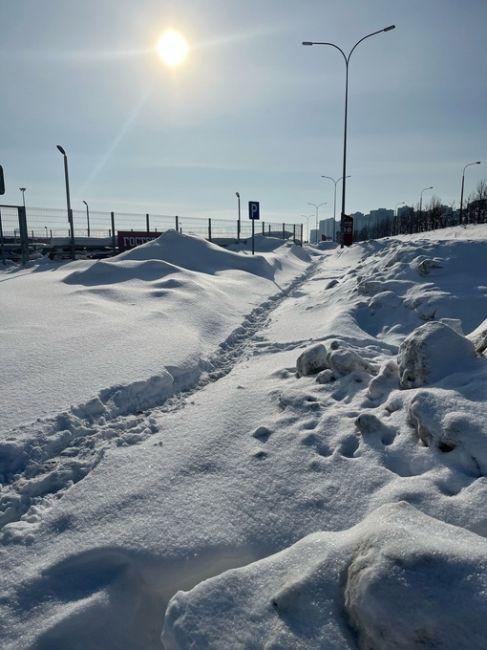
(49, 227)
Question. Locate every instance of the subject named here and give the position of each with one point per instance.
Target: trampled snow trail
(252, 454)
(42, 460)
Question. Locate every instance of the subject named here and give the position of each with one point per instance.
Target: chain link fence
(49, 230)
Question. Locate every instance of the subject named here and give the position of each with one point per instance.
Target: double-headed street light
(478, 162)
(87, 217)
(334, 199)
(347, 61)
(316, 207)
(307, 217)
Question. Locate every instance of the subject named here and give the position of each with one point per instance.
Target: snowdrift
(399, 580)
(71, 331)
(295, 462)
(169, 253)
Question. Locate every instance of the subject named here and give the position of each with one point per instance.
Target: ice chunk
(431, 352)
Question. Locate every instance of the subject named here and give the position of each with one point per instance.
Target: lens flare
(172, 48)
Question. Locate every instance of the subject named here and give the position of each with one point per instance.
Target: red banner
(128, 239)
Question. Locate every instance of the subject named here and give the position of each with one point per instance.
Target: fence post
(177, 223)
(302, 235)
(2, 250)
(71, 235)
(294, 232)
(24, 234)
(147, 224)
(209, 228)
(284, 231)
(114, 247)
(263, 228)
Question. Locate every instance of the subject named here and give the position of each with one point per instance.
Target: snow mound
(341, 360)
(407, 581)
(432, 352)
(171, 252)
(196, 254)
(457, 430)
(312, 360)
(479, 337)
(418, 584)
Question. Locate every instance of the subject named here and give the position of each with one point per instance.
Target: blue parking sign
(254, 210)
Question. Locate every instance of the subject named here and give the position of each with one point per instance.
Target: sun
(172, 48)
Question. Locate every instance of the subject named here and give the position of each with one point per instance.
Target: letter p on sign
(254, 210)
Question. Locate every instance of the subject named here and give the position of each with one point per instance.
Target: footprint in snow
(262, 433)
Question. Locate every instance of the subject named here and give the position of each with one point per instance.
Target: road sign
(2, 182)
(254, 210)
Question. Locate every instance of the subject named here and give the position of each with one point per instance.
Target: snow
(384, 582)
(169, 470)
(432, 352)
(69, 331)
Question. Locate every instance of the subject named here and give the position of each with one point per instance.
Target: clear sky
(251, 110)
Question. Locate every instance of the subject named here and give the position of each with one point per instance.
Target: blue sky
(251, 110)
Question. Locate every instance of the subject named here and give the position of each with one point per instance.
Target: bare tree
(477, 209)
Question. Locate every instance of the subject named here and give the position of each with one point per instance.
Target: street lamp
(87, 217)
(334, 199)
(463, 183)
(307, 217)
(421, 201)
(238, 222)
(316, 207)
(397, 205)
(23, 189)
(396, 214)
(68, 199)
(347, 61)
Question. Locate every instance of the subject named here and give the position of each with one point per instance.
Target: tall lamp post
(478, 162)
(396, 220)
(307, 217)
(334, 199)
(23, 189)
(68, 198)
(395, 223)
(421, 202)
(397, 205)
(237, 194)
(347, 61)
(316, 207)
(87, 217)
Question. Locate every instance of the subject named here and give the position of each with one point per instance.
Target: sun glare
(172, 48)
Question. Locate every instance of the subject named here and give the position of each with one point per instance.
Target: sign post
(254, 214)
(347, 230)
(2, 182)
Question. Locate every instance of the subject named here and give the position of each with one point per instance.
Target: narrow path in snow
(40, 461)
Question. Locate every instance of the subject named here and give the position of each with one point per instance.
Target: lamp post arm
(337, 47)
(363, 39)
(330, 178)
